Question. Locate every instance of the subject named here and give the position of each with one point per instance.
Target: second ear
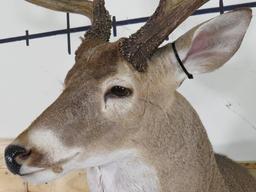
(210, 45)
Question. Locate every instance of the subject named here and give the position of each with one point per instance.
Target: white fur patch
(125, 175)
(41, 177)
(46, 141)
(27, 169)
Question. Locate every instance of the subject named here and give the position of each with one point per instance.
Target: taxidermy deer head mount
(120, 107)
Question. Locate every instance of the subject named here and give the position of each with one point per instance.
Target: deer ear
(211, 44)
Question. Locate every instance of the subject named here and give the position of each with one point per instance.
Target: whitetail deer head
(120, 98)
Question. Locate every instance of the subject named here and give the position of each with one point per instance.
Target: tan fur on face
(157, 125)
(154, 125)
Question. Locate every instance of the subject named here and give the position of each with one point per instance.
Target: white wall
(32, 77)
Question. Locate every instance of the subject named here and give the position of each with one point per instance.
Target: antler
(101, 22)
(82, 7)
(170, 13)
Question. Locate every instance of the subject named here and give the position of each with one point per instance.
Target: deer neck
(178, 147)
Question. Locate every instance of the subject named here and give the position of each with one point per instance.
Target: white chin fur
(26, 169)
(41, 177)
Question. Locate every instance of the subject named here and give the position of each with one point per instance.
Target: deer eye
(118, 92)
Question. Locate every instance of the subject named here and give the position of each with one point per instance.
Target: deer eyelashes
(118, 92)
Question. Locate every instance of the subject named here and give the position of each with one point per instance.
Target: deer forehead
(96, 63)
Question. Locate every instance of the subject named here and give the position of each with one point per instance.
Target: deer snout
(14, 155)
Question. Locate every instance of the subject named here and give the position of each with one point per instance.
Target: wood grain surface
(74, 182)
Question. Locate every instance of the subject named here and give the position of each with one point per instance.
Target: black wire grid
(27, 37)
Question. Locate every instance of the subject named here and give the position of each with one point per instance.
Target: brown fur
(175, 142)
(161, 124)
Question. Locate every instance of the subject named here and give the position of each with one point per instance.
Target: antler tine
(141, 46)
(82, 7)
(100, 30)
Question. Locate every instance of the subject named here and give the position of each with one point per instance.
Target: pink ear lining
(200, 43)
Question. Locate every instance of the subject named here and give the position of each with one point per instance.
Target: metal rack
(115, 24)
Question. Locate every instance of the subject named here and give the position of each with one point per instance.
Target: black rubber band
(190, 76)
